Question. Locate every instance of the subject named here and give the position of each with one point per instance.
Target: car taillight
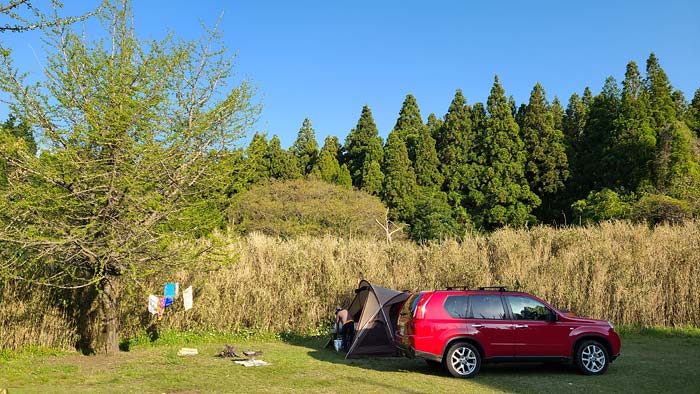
(420, 308)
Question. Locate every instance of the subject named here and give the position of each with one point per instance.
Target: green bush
(306, 207)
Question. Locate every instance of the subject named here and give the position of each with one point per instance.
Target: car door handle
(477, 325)
(520, 326)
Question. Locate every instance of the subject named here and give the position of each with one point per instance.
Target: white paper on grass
(187, 298)
(153, 302)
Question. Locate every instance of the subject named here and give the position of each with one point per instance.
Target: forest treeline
(629, 152)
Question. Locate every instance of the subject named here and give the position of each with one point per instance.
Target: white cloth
(187, 298)
(153, 302)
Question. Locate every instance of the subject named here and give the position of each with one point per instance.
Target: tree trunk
(98, 323)
(107, 340)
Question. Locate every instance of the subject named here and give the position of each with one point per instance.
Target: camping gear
(187, 351)
(337, 344)
(375, 311)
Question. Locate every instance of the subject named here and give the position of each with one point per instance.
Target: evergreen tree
(503, 196)
(305, 148)
(400, 179)
(433, 218)
(409, 125)
(692, 117)
(426, 163)
(454, 140)
(574, 124)
(629, 156)
(344, 178)
(373, 178)
(676, 166)
(20, 130)
(327, 167)
(281, 163)
(659, 90)
(557, 113)
(597, 137)
(256, 161)
(362, 147)
(546, 168)
(434, 124)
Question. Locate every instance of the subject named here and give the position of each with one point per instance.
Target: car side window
(486, 307)
(525, 308)
(456, 306)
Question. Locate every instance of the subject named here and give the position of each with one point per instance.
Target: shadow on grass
(319, 351)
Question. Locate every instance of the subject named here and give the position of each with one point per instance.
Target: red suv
(462, 328)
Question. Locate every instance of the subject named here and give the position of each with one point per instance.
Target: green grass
(653, 361)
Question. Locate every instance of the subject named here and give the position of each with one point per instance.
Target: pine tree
(692, 117)
(305, 148)
(362, 147)
(676, 166)
(281, 163)
(372, 177)
(434, 124)
(409, 125)
(574, 124)
(454, 140)
(597, 137)
(400, 180)
(426, 163)
(327, 167)
(557, 112)
(20, 130)
(256, 163)
(546, 168)
(629, 156)
(504, 196)
(659, 90)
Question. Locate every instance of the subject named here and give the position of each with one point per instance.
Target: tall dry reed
(626, 273)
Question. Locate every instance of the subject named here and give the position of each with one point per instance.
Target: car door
(536, 334)
(488, 317)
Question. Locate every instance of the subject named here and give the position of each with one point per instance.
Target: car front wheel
(463, 360)
(592, 358)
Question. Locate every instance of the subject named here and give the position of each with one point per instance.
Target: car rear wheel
(463, 360)
(592, 358)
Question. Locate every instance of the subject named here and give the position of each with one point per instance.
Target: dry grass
(627, 273)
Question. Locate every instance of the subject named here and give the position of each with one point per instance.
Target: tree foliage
(132, 133)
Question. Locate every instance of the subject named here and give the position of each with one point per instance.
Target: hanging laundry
(169, 293)
(187, 298)
(153, 303)
(161, 307)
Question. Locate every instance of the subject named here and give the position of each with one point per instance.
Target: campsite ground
(651, 362)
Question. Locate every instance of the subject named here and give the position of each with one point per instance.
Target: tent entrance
(376, 311)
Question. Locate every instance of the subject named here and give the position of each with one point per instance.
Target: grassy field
(651, 363)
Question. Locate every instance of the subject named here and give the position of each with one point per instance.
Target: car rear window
(456, 306)
(486, 307)
(409, 308)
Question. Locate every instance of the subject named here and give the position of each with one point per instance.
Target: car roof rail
(457, 288)
(498, 288)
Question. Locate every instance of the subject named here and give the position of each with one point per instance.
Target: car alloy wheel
(463, 360)
(593, 358)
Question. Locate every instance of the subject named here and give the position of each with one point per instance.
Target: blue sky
(326, 59)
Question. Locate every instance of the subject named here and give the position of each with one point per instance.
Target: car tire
(592, 358)
(463, 360)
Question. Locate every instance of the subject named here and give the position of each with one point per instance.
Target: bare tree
(388, 226)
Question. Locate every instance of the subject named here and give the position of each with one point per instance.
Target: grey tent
(376, 311)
